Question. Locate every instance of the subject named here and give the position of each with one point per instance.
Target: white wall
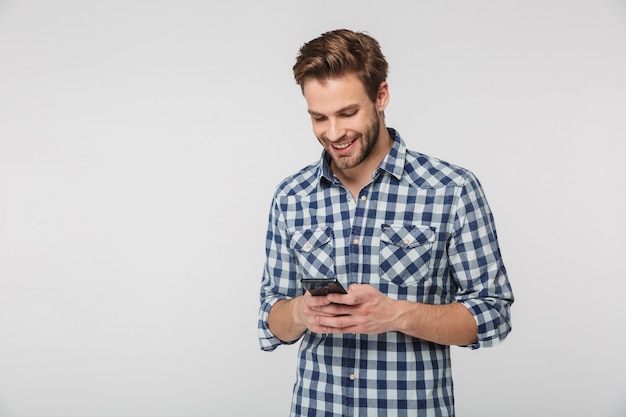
(140, 142)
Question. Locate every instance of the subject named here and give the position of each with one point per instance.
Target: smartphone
(322, 286)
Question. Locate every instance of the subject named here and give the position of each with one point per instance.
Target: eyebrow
(341, 110)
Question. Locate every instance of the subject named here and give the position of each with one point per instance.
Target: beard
(368, 142)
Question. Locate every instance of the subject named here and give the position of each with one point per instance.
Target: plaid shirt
(422, 231)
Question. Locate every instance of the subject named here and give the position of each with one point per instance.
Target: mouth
(343, 146)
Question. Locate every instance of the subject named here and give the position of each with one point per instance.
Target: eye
(319, 118)
(348, 114)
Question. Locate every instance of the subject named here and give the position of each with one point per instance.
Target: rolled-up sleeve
(279, 275)
(476, 265)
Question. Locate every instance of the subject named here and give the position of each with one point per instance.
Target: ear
(382, 98)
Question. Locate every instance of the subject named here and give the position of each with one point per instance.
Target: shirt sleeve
(476, 265)
(279, 275)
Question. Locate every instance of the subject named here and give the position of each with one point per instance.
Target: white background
(140, 143)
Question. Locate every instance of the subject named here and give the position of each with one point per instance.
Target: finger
(345, 299)
(334, 309)
(337, 330)
(316, 301)
(335, 322)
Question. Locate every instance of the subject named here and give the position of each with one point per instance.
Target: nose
(335, 130)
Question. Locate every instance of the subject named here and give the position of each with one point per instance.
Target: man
(411, 238)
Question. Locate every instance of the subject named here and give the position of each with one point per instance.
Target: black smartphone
(322, 286)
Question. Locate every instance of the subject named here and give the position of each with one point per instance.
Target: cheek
(319, 131)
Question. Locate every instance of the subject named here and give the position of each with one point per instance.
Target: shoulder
(303, 181)
(426, 171)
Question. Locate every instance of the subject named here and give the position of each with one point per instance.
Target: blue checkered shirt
(421, 231)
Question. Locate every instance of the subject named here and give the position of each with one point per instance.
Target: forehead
(332, 94)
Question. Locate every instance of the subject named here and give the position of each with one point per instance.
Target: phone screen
(322, 286)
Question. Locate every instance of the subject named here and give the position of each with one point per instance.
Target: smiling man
(411, 237)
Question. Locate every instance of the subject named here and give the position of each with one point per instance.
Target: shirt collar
(393, 163)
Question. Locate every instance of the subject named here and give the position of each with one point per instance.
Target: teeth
(343, 145)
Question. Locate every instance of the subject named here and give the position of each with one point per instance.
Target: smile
(343, 145)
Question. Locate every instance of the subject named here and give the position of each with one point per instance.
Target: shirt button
(363, 198)
(406, 241)
(352, 377)
(355, 241)
(308, 245)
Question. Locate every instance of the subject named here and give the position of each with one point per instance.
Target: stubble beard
(368, 143)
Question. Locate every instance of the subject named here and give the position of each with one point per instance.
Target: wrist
(400, 320)
(295, 309)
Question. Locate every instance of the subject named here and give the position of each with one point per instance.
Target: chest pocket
(405, 253)
(315, 252)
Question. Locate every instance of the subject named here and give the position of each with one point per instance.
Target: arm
(282, 320)
(366, 310)
(277, 288)
(446, 324)
(285, 314)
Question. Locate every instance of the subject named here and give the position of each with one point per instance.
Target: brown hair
(340, 52)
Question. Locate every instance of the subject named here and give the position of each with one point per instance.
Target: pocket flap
(407, 235)
(308, 240)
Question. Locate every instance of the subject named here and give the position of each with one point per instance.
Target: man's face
(345, 120)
